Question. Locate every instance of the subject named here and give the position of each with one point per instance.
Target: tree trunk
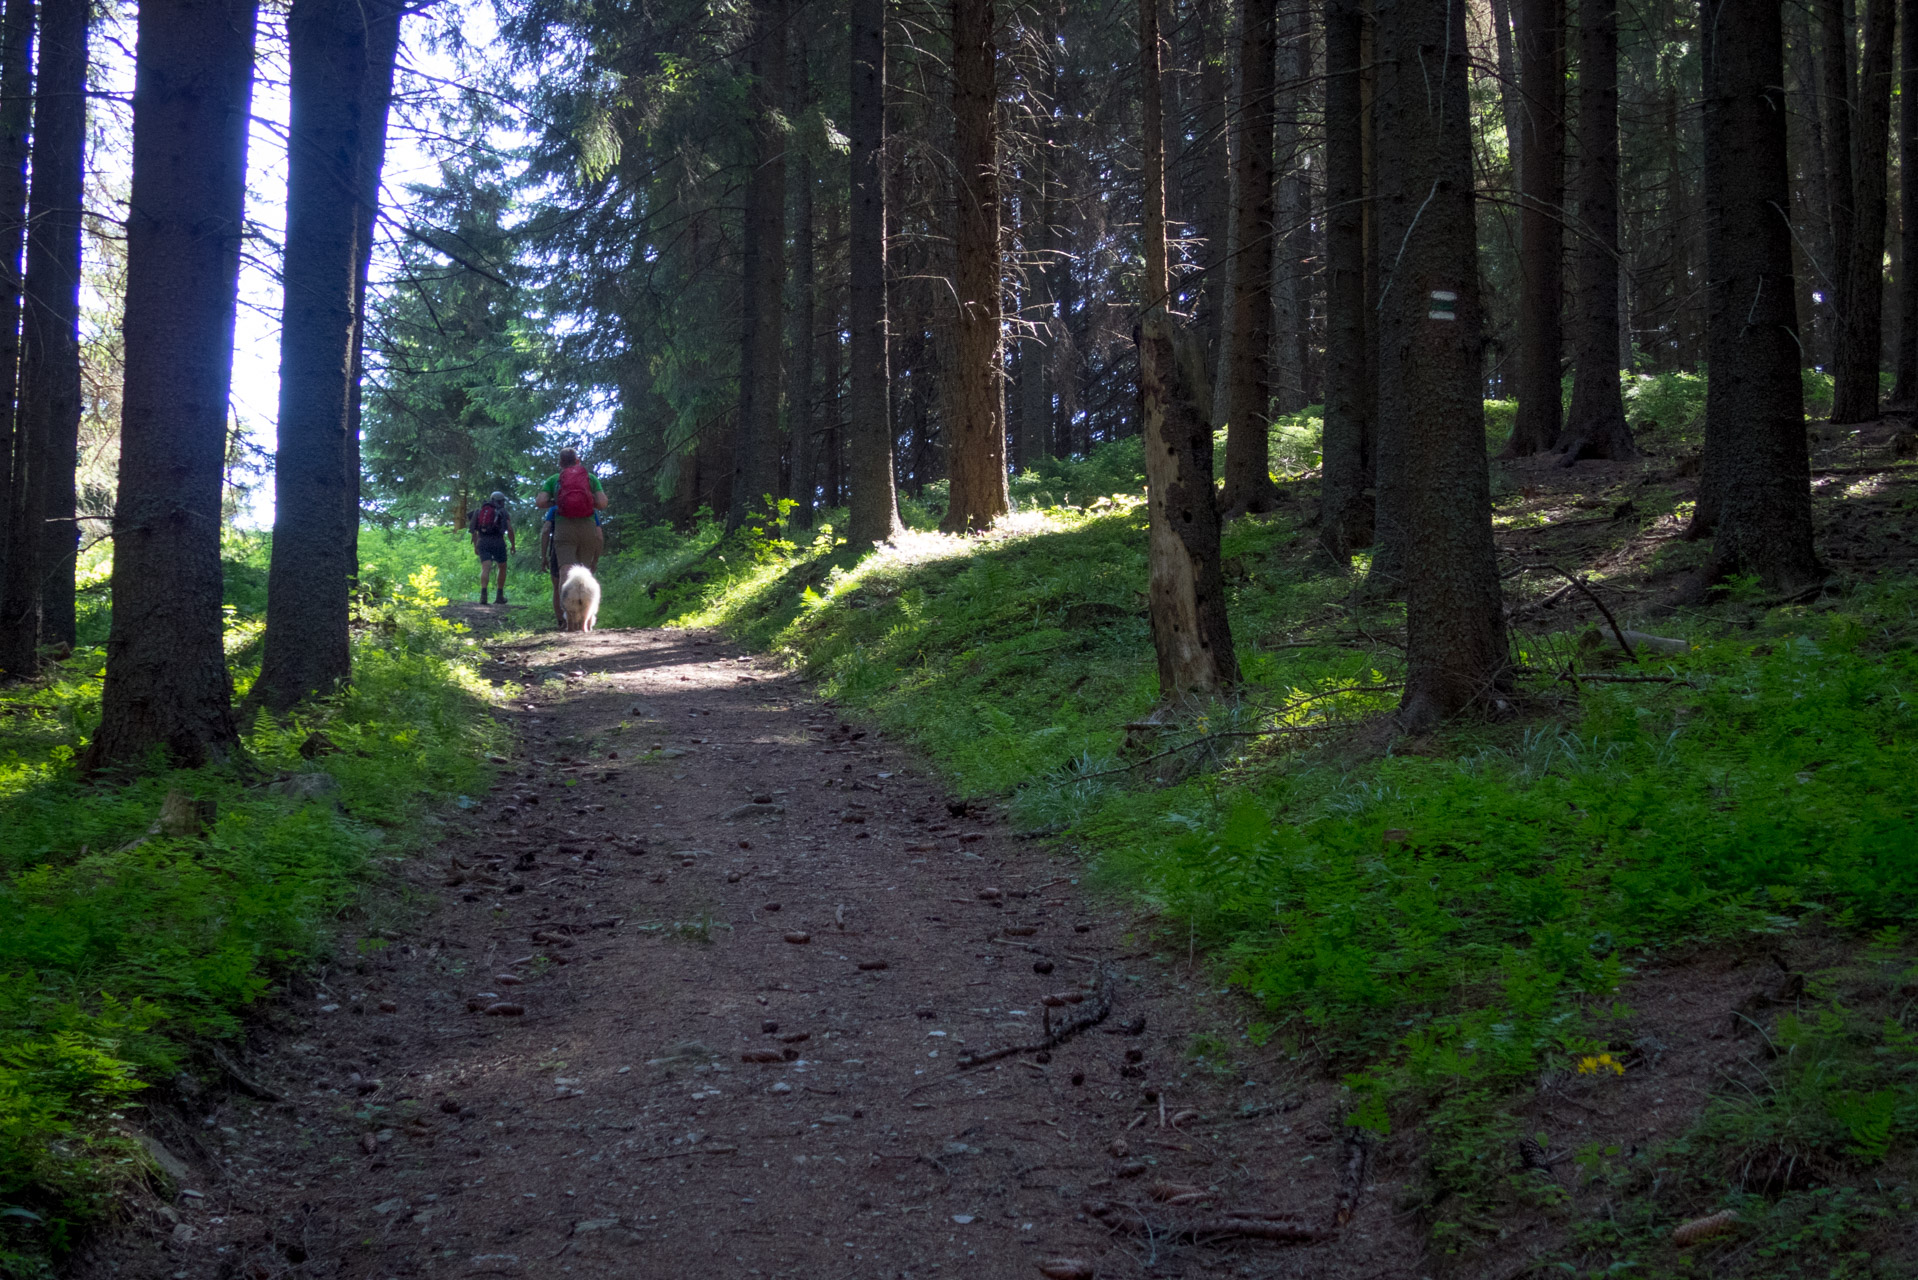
(1596, 426)
(832, 401)
(976, 467)
(1834, 73)
(382, 52)
(1511, 101)
(49, 408)
(1290, 224)
(1812, 199)
(1208, 162)
(1755, 487)
(20, 549)
(1345, 491)
(800, 397)
(756, 460)
(1541, 254)
(1186, 588)
(1430, 401)
(341, 73)
(1906, 392)
(1860, 347)
(1035, 385)
(167, 688)
(1248, 478)
(874, 501)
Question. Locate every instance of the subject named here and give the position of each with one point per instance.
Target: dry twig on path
(1098, 1005)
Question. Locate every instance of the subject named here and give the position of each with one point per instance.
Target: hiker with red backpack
(492, 530)
(575, 499)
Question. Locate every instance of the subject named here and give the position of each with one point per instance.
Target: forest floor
(688, 863)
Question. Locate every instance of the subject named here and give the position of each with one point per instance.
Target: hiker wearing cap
(572, 501)
(492, 530)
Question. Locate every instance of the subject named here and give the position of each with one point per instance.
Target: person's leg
(502, 582)
(486, 577)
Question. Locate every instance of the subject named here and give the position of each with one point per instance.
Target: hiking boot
(483, 597)
(500, 598)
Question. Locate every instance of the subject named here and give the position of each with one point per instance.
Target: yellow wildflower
(1592, 1065)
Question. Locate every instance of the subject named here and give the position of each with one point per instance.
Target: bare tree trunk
(1430, 401)
(1860, 347)
(20, 549)
(874, 501)
(1596, 426)
(1835, 76)
(341, 77)
(1186, 590)
(1248, 479)
(1209, 165)
(976, 467)
(1035, 394)
(756, 459)
(1812, 200)
(167, 687)
(1541, 254)
(1345, 490)
(1906, 392)
(49, 410)
(800, 397)
(1755, 488)
(1286, 362)
(1511, 101)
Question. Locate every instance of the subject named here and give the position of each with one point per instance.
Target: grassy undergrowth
(121, 957)
(1441, 923)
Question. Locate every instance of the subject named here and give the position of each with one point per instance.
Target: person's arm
(512, 535)
(599, 499)
(543, 499)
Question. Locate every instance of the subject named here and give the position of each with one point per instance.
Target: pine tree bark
(1248, 479)
(1855, 367)
(1035, 394)
(1430, 402)
(800, 396)
(20, 547)
(976, 462)
(1287, 361)
(1541, 252)
(1812, 201)
(1345, 489)
(1511, 101)
(1755, 485)
(1191, 635)
(1906, 391)
(1595, 427)
(341, 72)
(49, 399)
(874, 501)
(1208, 167)
(167, 689)
(761, 373)
(1835, 115)
(382, 53)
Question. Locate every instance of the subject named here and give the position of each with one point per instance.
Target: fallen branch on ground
(1098, 1005)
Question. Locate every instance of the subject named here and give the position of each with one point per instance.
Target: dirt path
(769, 882)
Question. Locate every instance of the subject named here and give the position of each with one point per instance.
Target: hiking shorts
(576, 542)
(493, 549)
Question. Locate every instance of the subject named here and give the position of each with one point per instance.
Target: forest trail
(649, 910)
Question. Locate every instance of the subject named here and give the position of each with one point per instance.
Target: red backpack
(488, 519)
(575, 492)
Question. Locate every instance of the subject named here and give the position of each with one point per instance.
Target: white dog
(579, 598)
